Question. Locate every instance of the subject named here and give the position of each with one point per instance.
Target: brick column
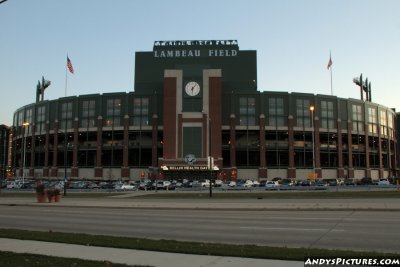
(125, 170)
(317, 148)
(46, 151)
(75, 149)
(381, 173)
(169, 123)
(350, 170)
(154, 144)
(339, 149)
(232, 146)
(395, 163)
(31, 172)
(98, 170)
(367, 165)
(179, 153)
(262, 171)
(54, 169)
(291, 170)
(215, 109)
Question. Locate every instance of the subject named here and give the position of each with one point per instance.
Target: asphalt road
(354, 230)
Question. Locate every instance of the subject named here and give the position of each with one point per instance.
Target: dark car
(349, 182)
(305, 183)
(365, 181)
(107, 186)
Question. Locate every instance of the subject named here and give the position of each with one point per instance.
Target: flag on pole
(69, 65)
(329, 62)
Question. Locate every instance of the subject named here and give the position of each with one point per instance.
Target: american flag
(330, 62)
(69, 65)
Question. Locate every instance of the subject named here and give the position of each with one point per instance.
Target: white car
(232, 184)
(248, 184)
(121, 186)
(271, 184)
(206, 183)
(383, 182)
(256, 183)
(12, 184)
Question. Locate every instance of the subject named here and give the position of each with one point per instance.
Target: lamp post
(25, 124)
(209, 154)
(66, 148)
(313, 141)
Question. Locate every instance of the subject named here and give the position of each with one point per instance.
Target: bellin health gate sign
(193, 49)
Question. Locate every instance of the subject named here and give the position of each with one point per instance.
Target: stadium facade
(193, 100)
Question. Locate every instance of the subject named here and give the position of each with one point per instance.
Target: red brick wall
(215, 94)
(169, 118)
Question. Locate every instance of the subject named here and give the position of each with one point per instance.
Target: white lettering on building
(195, 53)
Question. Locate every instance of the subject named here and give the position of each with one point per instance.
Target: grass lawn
(11, 259)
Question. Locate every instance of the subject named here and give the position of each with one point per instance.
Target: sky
(293, 39)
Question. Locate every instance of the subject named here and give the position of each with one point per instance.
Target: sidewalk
(132, 257)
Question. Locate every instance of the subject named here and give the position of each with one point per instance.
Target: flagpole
(330, 68)
(66, 78)
(331, 82)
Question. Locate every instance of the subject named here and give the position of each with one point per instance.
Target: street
(346, 229)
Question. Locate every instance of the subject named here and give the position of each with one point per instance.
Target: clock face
(192, 88)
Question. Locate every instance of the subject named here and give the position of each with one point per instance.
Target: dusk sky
(293, 39)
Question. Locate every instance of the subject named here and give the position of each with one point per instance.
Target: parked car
(13, 185)
(304, 182)
(349, 182)
(124, 186)
(145, 185)
(218, 183)
(92, 185)
(365, 181)
(106, 185)
(206, 183)
(231, 183)
(272, 184)
(248, 184)
(383, 182)
(286, 182)
(331, 182)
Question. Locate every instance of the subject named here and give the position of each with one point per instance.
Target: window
(66, 115)
(247, 111)
(303, 155)
(28, 119)
(41, 119)
(276, 112)
(88, 114)
(276, 152)
(383, 120)
(303, 113)
(327, 117)
(328, 150)
(141, 111)
(372, 121)
(390, 125)
(113, 112)
(358, 122)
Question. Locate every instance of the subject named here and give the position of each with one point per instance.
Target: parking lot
(202, 185)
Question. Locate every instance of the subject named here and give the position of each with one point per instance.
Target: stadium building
(195, 104)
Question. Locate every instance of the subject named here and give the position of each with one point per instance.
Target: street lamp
(67, 145)
(313, 141)
(25, 124)
(209, 153)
